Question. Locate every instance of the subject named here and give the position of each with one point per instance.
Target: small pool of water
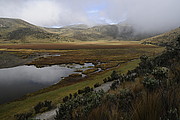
(18, 81)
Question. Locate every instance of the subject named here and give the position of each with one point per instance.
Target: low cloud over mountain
(145, 16)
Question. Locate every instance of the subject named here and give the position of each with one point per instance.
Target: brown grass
(154, 105)
(90, 71)
(111, 57)
(73, 46)
(105, 112)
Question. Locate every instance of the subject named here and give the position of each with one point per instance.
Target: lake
(18, 81)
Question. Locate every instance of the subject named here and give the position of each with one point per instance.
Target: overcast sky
(144, 15)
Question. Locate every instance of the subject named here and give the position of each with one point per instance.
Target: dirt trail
(49, 115)
(105, 87)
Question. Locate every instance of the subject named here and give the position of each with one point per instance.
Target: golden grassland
(72, 45)
(110, 54)
(111, 57)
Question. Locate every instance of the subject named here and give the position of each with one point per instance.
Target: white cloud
(151, 15)
(43, 13)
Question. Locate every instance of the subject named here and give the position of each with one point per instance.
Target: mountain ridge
(20, 31)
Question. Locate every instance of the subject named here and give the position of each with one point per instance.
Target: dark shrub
(80, 91)
(65, 99)
(75, 95)
(96, 85)
(23, 116)
(105, 80)
(160, 73)
(109, 79)
(114, 85)
(79, 107)
(70, 96)
(87, 89)
(150, 83)
(114, 75)
(43, 106)
(38, 107)
(125, 98)
(92, 89)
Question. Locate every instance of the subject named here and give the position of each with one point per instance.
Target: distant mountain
(19, 31)
(100, 32)
(166, 39)
(77, 26)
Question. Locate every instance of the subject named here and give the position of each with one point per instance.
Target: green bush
(160, 73)
(23, 116)
(105, 80)
(65, 99)
(151, 83)
(75, 95)
(85, 90)
(114, 75)
(114, 85)
(43, 105)
(79, 107)
(125, 98)
(96, 85)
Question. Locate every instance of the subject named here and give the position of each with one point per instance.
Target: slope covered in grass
(168, 38)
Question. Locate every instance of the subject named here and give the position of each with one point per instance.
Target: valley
(121, 56)
(64, 69)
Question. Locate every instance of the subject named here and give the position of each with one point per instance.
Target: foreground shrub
(75, 95)
(65, 99)
(96, 85)
(160, 73)
(122, 99)
(85, 90)
(125, 98)
(23, 116)
(114, 85)
(150, 83)
(105, 80)
(79, 107)
(114, 75)
(43, 106)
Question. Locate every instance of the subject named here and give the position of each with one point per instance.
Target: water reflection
(18, 81)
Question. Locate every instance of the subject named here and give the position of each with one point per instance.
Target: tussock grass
(156, 105)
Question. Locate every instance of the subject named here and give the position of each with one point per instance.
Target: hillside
(165, 39)
(19, 31)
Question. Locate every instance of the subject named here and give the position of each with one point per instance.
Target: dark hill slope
(19, 31)
(166, 39)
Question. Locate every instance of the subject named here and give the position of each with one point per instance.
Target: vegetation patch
(90, 71)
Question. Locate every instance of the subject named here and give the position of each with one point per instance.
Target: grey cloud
(145, 16)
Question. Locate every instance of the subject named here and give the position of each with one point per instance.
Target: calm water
(18, 81)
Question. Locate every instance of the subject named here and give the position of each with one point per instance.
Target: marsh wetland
(39, 74)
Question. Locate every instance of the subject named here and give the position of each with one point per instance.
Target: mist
(144, 16)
